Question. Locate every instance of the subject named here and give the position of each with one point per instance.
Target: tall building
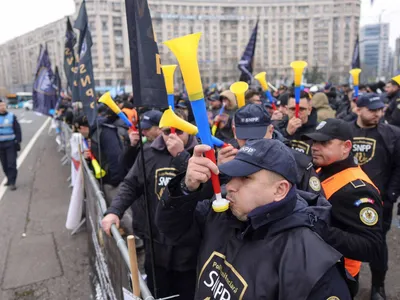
(322, 32)
(374, 50)
(396, 58)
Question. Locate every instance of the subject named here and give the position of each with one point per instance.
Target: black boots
(378, 293)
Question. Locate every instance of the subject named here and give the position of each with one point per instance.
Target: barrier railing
(108, 257)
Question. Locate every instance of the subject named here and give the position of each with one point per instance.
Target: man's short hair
(250, 93)
(303, 94)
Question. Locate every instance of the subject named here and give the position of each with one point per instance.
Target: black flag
(57, 82)
(44, 94)
(247, 60)
(147, 78)
(355, 62)
(69, 55)
(85, 66)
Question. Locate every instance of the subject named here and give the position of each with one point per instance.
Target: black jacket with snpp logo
(273, 255)
(161, 167)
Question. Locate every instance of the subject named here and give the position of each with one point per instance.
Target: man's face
(255, 99)
(3, 107)
(283, 109)
(326, 153)
(166, 131)
(304, 110)
(84, 130)
(215, 104)
(391, 89)
(369, 117)
(152, 133)
(247, 193)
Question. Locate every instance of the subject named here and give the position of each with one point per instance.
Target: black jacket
(160, 168)
(108, 151)
(257, 259)
(392, 114)
(297, 143)
(386, 177)
(348, 233)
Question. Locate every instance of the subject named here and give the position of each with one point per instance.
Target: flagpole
(148, 216)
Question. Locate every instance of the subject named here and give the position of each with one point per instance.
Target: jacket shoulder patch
(369, 216)
(314, 183)
(357, 183)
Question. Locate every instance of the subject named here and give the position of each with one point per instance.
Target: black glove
(17, 146)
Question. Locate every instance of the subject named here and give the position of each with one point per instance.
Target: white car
(28, 105)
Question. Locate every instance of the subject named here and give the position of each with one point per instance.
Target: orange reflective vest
(334, 183)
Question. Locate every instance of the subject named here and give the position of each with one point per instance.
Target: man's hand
(293, 125)
(134, 138)
(277, 116)
(107, 221)
(86, 154)
(174, 145)
(226, 154)
(199, 168)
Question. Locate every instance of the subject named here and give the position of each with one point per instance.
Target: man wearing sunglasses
(293, 128)
(166, 157)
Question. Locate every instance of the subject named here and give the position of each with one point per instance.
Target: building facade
(322, 32)
(396, 58)
(374, 50)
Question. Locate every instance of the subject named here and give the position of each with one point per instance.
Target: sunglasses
(167, 131)
(302, 109)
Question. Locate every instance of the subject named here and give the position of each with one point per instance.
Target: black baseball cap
(370, 100)
(251, 122)
(262, 154)
(214, 97)
(330, 129)
(150, 118)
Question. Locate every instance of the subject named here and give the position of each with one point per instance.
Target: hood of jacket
(320, 100)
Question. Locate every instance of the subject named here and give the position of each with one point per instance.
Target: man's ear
(282, 189)
(348, 145)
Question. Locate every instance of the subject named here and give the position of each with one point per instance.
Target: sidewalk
(48, 263)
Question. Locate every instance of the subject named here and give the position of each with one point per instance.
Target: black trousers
(8, 157)
(379, 268)
(170, 282)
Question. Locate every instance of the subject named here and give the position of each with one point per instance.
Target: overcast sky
(21, 16)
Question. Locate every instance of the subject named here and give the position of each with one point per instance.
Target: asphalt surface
(39, 259)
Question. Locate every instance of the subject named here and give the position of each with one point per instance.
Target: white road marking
(24, 121)
(24, 154)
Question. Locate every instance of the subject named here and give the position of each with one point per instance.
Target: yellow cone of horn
(185, 51)
(107, 100)
(262, 79)
(98, 171)
(168, 72)
(298, 68)
(239, 89)
(355, 73)
(396, 79)
(170, 119)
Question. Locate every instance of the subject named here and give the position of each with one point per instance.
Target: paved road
(48, 263)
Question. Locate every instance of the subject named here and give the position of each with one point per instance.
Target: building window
(108, 82)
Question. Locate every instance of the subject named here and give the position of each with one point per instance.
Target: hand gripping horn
(185, 50)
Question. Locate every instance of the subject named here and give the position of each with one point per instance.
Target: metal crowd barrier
(108, 257)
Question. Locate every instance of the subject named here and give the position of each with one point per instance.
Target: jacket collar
(274, 211)
(337, 167)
